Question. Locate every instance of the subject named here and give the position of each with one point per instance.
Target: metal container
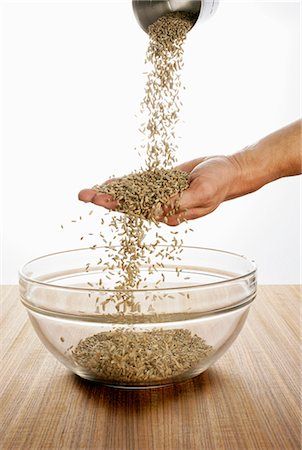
(148, 11)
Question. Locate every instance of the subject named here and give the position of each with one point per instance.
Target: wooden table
(248, 400)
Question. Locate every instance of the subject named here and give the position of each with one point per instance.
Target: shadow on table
(136, 400)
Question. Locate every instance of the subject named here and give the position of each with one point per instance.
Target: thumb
(190, 165)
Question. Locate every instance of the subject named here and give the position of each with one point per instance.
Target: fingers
(105, 200)
(189, 199)
(98, 198)
(191, 214)
(192, 197)
(178, 204)
(86, 195)
(187, 206)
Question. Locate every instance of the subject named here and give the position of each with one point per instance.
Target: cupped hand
(211, 182)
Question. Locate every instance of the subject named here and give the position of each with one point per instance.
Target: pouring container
(148, 11)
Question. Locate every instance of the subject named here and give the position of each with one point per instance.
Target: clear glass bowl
(177, 330)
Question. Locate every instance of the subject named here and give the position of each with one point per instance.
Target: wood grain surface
(248, 400)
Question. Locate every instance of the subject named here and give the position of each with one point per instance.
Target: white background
(72, 85)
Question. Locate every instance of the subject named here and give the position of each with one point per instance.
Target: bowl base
(136, 387)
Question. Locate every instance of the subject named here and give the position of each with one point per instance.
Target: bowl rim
(34, 281)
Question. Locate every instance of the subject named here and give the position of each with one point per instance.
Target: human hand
(92, 196)
(215, 179)
(210, 181)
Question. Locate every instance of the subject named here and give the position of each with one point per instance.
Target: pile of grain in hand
(122, 356)
(143, 194)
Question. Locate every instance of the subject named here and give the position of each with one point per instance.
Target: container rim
(34, 281)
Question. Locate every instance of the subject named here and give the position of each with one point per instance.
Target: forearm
(277, 155)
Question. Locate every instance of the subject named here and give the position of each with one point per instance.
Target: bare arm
(215, 179)
(277, 155)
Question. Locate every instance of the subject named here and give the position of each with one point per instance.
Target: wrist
(253, 169)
